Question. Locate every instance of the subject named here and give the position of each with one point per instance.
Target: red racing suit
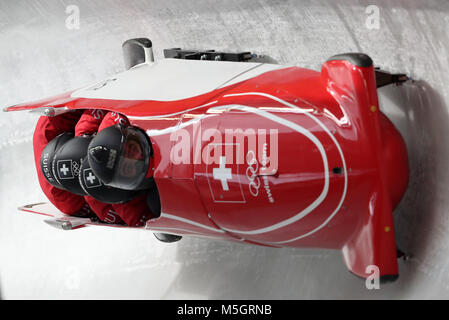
(134, 212)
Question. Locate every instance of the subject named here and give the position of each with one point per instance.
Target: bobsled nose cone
(100, 154)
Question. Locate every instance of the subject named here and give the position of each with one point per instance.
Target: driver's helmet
(47, 156)
(120, 157)
(61, 161)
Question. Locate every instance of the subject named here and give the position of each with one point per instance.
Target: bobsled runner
(260, 153)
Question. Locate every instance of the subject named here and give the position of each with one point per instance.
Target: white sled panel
(172, 79)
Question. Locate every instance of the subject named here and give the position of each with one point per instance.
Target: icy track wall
(45, 50)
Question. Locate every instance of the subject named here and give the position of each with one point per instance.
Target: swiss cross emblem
(90, 180)
(223, 179)
(223, 174)
(64, 169)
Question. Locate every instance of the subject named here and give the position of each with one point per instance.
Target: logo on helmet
(90, 180)
(46, 168)
(111, 159)
(67, 169)
(64, 168)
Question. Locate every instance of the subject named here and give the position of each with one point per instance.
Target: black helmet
(97, 190)
(120, 157)
(67, 163)
(48, 155)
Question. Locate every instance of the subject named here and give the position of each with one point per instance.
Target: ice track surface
(39, 57)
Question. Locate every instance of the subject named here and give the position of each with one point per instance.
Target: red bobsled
(262, 153)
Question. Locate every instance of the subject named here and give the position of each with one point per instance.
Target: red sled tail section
(350, 79)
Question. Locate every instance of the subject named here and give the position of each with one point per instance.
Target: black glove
(153, 201)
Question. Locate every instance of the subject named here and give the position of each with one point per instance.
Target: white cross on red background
(222, 173)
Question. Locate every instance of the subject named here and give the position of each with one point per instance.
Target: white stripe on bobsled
(280, 225)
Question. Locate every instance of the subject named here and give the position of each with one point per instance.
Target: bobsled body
(265, 154)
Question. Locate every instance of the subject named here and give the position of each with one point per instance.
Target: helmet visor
(132, 165)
